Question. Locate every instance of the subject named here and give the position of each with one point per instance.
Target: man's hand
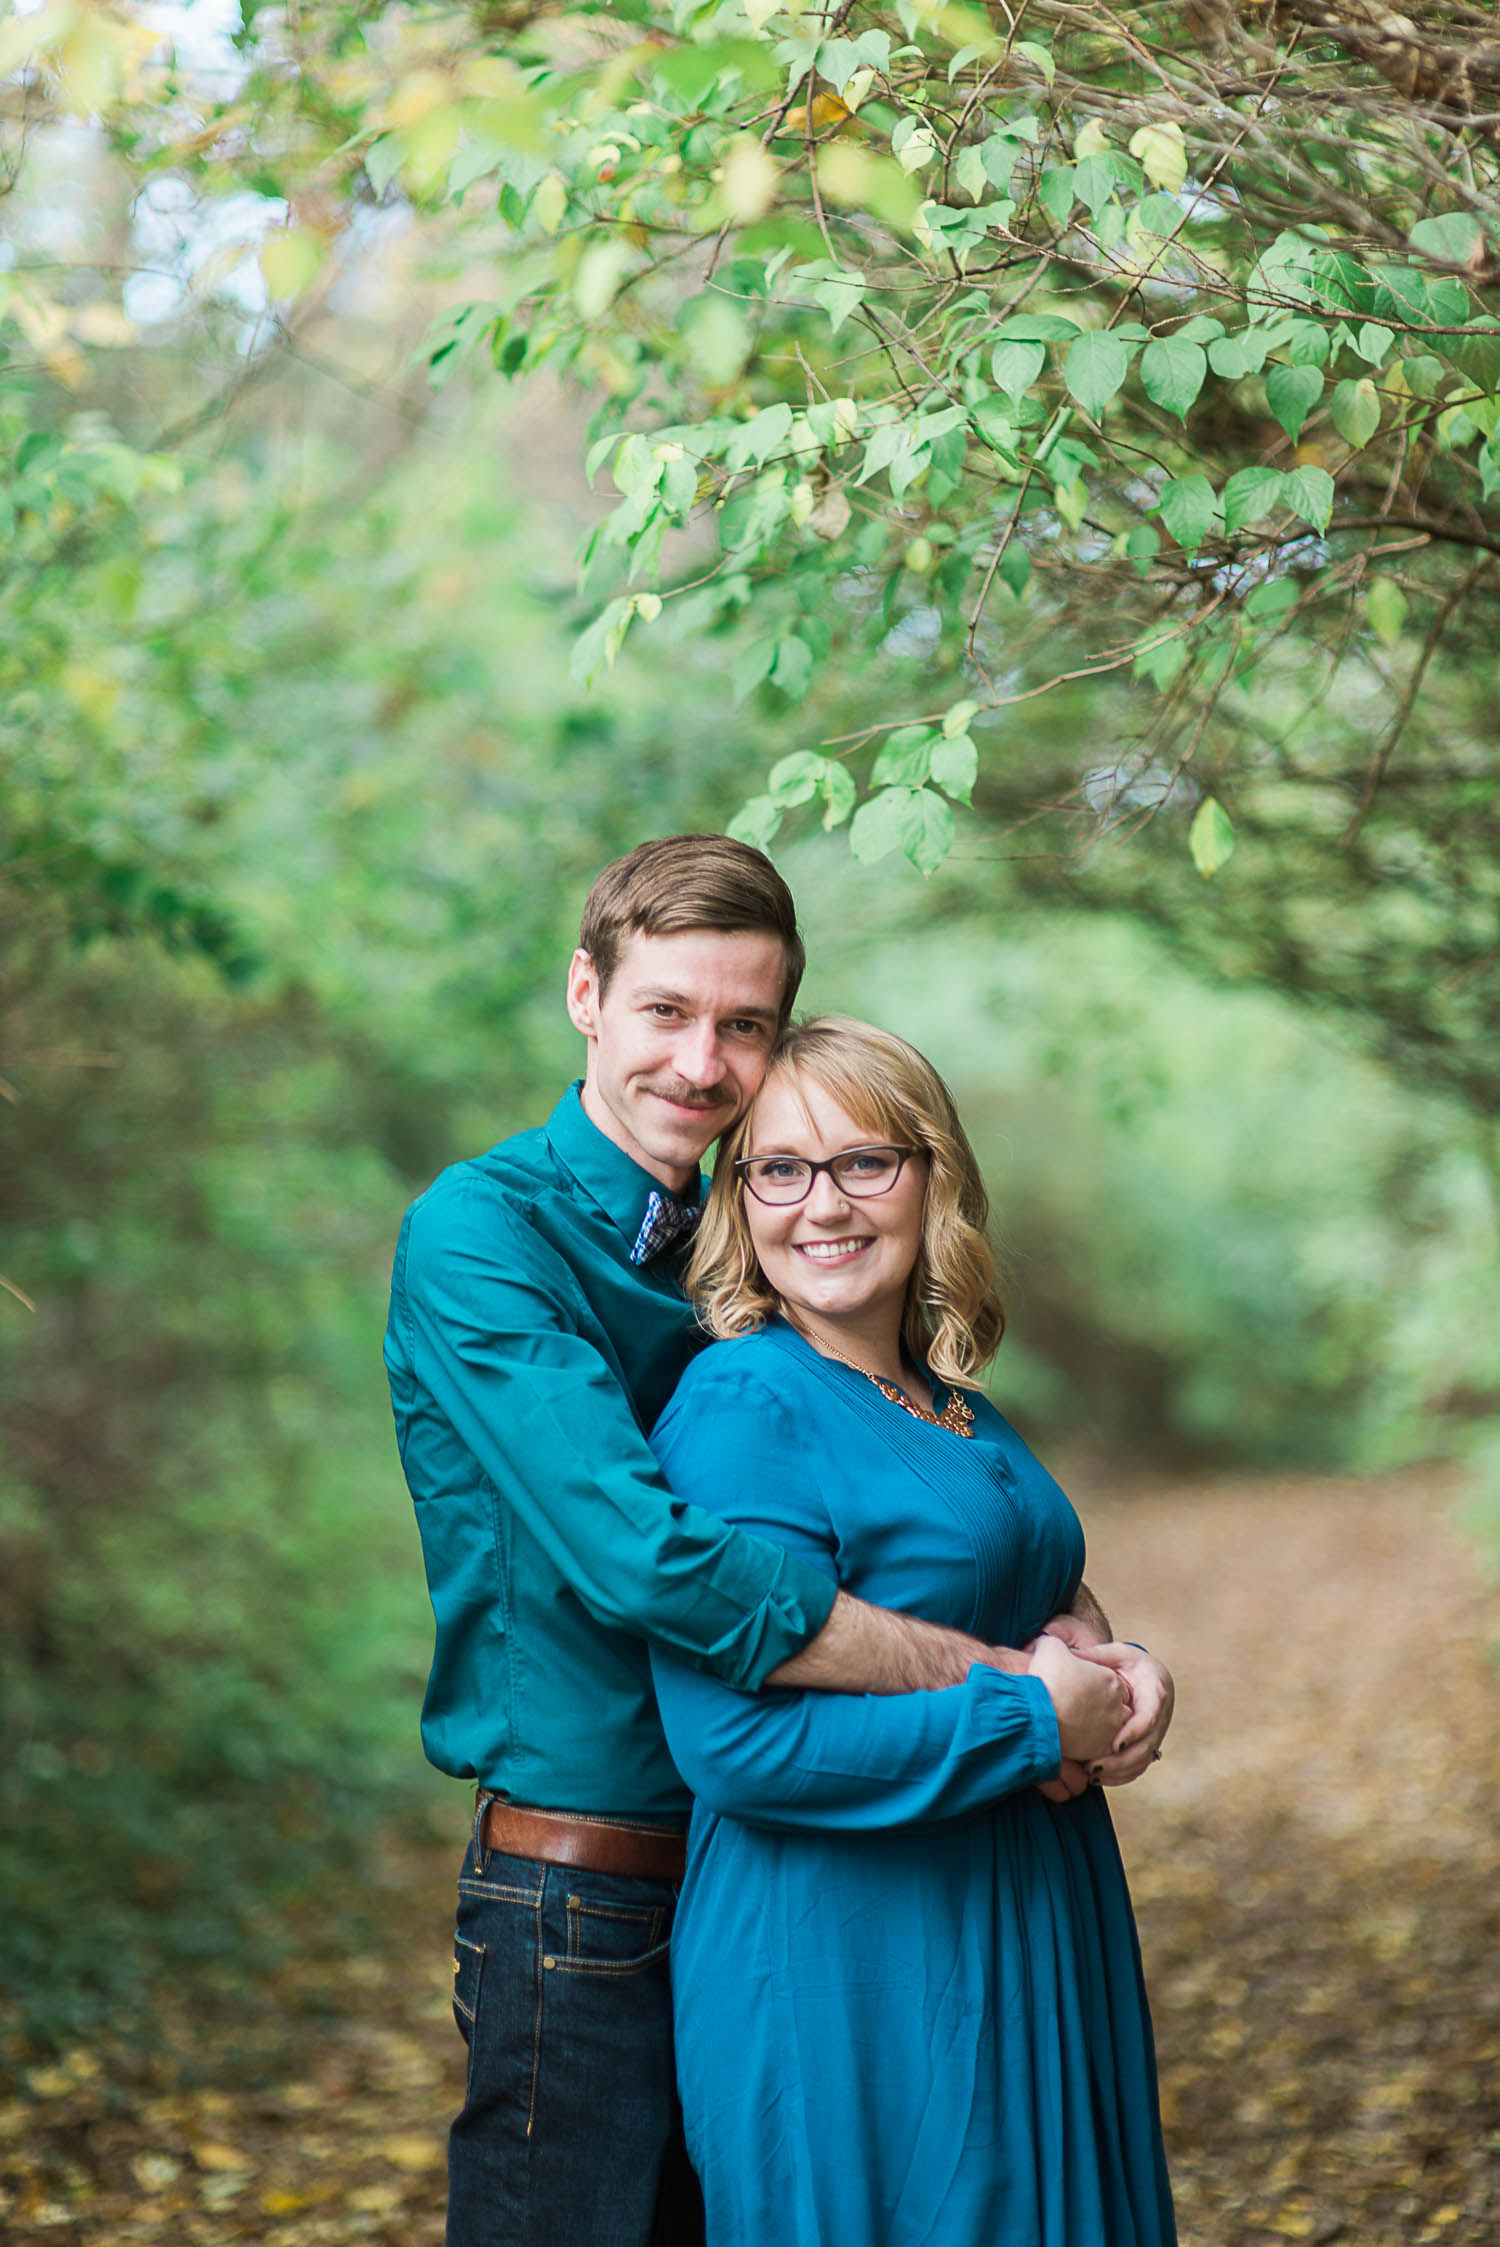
(1088, 1721)
(1152, 1694)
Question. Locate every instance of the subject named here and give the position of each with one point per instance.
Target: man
(537, 1328)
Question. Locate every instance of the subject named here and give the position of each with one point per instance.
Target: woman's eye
(867, 1166)
(777, 1173)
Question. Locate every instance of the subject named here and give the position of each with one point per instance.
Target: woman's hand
(1137, 1745)
(1089, 1696)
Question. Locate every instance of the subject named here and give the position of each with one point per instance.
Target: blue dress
(909, 2002)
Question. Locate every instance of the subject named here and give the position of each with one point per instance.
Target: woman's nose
(827, 1201)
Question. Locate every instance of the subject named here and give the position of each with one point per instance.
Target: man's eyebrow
(657, 995)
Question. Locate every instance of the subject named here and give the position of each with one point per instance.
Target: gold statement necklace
(957, 1414)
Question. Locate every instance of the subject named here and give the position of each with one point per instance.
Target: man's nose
(700, 1057)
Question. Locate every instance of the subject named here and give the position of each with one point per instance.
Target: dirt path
(1316, 1864)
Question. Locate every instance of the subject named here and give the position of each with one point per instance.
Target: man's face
(679, 1041)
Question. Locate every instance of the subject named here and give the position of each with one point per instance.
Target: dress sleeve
(807, 1760)
(488, 1334)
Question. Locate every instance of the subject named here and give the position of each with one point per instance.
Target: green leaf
(755, 440)
(756, 822)
(1385, 606)
(1422, 373)
(879, 823)
(1015, 567)
(796, 779)
(1275, 598)
(839, 294)
(1229, 357)
(1160, 660)
(717, 338)
(383, 159)
(926, 829)
(1014, 367)
(1457, 238)
(905, 759)
(1143, 544)
(1291, 394)
(1356, 411)
(1173, 373)
(1211, 837)
(1037, 327)
(1055, 190)
(1095, 367)
(838, 793)
(1373, 343)
(1098, 178)
(793, 667)
(1308, 492)
(750, 668)
(1250, 495)
(955, 766)
(1309, 344)
(1187, 507)
(956, 719)
(1039, 56)
(601, 643)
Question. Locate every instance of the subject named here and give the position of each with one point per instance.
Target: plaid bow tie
(665, 1223)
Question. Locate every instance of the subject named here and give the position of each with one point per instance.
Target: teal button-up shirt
(527, 1358)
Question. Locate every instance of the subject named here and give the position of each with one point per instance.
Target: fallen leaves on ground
(1316, 1866)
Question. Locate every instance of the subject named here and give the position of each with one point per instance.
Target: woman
(909, 2001)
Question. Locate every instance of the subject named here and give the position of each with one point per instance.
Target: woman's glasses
(860, 1172)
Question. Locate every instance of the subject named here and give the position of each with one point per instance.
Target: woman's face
(834, 1257)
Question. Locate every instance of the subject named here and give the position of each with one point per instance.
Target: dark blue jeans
(570, 2133)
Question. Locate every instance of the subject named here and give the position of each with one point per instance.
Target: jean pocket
(468, 1970)
(613, 1938)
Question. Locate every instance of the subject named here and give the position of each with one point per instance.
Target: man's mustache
(706, 1098)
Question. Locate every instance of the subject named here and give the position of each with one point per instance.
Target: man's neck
(682, 1183)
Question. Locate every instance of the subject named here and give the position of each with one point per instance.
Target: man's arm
(864, 1649)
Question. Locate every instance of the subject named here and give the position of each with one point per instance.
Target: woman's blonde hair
(953, 1318)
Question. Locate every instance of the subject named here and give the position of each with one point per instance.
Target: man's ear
(583, 994)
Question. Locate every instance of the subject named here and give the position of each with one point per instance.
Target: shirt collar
(605, 1172)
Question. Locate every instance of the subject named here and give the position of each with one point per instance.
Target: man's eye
(748, 1029)
(662, 1011)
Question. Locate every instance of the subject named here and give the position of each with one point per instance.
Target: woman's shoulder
(749, 1375)
(758, 1359)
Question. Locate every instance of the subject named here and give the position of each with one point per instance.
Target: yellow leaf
(759, 12)
(750, 177)
(22, 37)
(1162, 154)
(91, 692)
(290, 259)
(281, 2203)
(209, 2153)
(1092, 141)
(410, 2153)
(103, 326)
(550, 202)
(414, 98)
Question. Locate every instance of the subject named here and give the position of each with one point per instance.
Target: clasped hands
(1113, 1703)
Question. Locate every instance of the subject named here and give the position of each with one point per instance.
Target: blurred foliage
(300, 793)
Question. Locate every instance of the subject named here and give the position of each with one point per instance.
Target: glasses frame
(745, 1163)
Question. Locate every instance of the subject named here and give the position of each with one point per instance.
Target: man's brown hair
(682, 882)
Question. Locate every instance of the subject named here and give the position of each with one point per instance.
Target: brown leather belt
(596, 1844)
